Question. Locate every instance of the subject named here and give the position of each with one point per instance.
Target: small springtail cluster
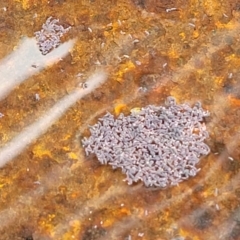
(49, 36)
(158, 145)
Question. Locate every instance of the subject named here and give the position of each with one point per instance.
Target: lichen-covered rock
(159, 145)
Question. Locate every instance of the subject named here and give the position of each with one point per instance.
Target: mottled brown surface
(52, 190)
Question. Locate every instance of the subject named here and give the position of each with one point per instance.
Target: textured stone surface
(52, 190)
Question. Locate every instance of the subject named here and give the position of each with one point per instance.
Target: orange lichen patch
(184, 233)
(67, 137)
(108, 222)
(207, 193)
(110, 29)
(73, 156)
(173, 52)
(119, 107)
(124, 68)
(182, 35)
(46, 226)
(211, 7)
(230, 57)
(26, 4)
(40, 151)
(74, 230)
(76, 224)
(51, 217)
(125, 211)
(219, 80)
(4, 137)
(74, 195)
(80, 52)
(116, 214)
(195, 34)
(229, 26)
(107, 33)
(68, 235)
(75, 117)
(2, 184)
(66, 148)
(234, 101)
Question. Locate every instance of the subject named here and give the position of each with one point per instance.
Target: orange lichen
(73, 231)
(219, 80)
(211, 7)
(26, 4)
(119, 107)
(108, 222)
(234, 101)
(40, 150)
(185, 233)
(73, 196)
(124, 68)
(182, 35)
(111, 29)
(46, 226)
(125, 211)
(195, 34)
(73, 156)
(227, 26)
(173, 52)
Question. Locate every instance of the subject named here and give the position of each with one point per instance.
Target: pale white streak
(26, 61)
(30, 133)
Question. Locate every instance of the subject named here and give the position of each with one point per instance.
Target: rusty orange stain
(234, 101)
(119, 107)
